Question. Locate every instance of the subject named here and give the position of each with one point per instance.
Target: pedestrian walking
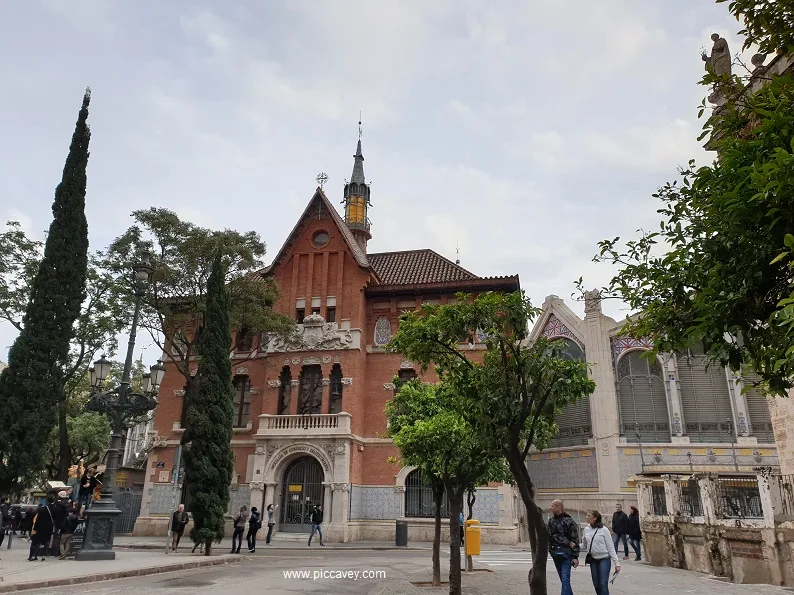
(635, 534)
(254, 524)
(179, 521)
(600, 552)
(58, 517)
(41, 531)
(620, 529)
(271, 521)
(563, 544)
(461, 523)
(239, 528)
(68, 528)
(317, 521)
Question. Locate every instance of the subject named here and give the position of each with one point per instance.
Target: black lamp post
(120, 404)
(639, 441)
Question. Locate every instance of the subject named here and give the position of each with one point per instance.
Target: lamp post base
(100, 530)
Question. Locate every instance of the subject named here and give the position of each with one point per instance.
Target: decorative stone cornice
(256, 485)
(347, 381)
(340, 487)
(179, 393)
(274, 383)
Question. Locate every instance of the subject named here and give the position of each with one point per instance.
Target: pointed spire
(358, 165)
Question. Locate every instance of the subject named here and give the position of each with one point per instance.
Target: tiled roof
(414, 267)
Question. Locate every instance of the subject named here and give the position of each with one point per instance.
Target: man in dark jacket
(563, 544)
(179, 521)
(635, 534)
(68, 528)
(620, 529)
(254, 523)
(317, 520)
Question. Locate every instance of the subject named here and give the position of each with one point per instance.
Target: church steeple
(357, 199)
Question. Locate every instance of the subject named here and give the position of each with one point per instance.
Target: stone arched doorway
(301, 489)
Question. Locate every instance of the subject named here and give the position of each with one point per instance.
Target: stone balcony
(288, 426)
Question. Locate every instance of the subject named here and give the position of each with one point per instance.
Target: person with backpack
(600, 552)
(253, 526)
(239, 529)
(68, 528)
(317, 520)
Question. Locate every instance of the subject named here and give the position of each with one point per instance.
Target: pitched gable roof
(413, 267)
(321, 200)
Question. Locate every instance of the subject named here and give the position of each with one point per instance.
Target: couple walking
(564, 548)
(254, 524)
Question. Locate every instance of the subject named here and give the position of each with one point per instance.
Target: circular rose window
(320, 239)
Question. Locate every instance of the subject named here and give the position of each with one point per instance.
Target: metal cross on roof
(322, 178)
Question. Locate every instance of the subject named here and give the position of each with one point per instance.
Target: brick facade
(346, 303)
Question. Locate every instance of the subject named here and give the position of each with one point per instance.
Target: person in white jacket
(597, 542)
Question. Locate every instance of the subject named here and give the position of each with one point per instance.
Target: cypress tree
(32, 385)
(209, 460)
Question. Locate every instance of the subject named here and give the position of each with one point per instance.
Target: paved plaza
(502, 571)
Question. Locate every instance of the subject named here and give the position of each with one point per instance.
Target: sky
(517, 132)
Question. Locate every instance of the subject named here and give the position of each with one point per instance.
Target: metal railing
(738, 498)
(786, 486)
(691, 502)
(659, 500)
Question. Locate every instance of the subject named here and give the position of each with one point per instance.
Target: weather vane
(359, 125)
(322, 178)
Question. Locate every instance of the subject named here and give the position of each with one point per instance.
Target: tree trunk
(455, 505)
(64, 451)
(438, 494)
(538, 533)
(207, 548)
(470, 500)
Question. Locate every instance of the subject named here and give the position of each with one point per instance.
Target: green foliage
(209, 460)
(175, 308)
(769, 24)
(502, 405)
(88, 439)
(33, 384)
(718, 272)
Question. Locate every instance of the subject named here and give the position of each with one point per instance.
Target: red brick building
(309, 417)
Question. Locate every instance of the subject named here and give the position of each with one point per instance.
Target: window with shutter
(642, 399)
(705, 399)
(575, 427)
(757, 409)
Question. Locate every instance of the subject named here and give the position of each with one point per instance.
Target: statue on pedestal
(719, 64)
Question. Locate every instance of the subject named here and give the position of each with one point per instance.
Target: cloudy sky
(521, 131)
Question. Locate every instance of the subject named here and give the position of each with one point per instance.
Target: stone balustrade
(301, 425)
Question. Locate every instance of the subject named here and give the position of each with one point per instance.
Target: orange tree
(510, 399)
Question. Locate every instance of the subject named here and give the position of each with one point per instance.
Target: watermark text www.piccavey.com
(323, 574)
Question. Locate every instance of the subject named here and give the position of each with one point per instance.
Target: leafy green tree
(103, 315)
(88, 440)
(32, 387)
(511, 397)
(209, 460)
(769, 24)
(718, 271)
(174, 309)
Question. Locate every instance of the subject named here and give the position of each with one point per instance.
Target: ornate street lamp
(639, 441)
(121, 405)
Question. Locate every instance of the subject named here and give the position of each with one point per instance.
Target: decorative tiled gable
(556, 328)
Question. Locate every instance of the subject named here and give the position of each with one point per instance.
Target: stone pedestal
(99, 533)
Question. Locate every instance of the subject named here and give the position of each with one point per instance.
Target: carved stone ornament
(296, 361)
(347, 381)
(329, 448)
(340, 487)
(406, 365)
(311, 361)
(159, 442)
(274, 383)
(256, 485)
(327, 359)
(326, 381)
(388, 386)
(315, 334)
(295, 382)
(286, 361)
(337, 359)
(340, 449)
(271, 448)
(255, 391)
(260, 449)
(241, 370)
(592, 302)
(399, 489)
(179, 393)
(99, 531)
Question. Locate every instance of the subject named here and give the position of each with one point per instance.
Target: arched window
(705, 399)
(242, 400)
(311, 390)
(419, 497)
(574, 420)
(758, 410)
(404, 375)
(642, 399)
(284, 391)
(335, 405)
(382, 331)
